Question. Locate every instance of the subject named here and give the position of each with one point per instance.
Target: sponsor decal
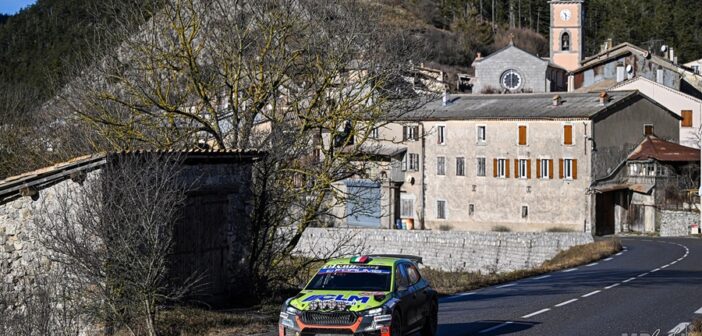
(332, 269)
(340, 298)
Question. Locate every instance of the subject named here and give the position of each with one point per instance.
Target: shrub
(445, 227)
(501, 228)
(559, 229)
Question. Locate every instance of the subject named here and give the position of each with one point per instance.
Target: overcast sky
(13, 6)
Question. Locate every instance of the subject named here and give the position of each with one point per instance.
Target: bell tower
(567, 33)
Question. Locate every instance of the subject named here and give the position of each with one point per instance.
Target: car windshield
(352, 277)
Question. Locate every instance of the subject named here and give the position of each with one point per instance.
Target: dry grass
(695, 328)
(448, 283)
(501, 228)
(193, 321)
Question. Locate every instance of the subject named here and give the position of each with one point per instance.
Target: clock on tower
(566, 33)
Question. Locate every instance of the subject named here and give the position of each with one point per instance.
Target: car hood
(354, 300)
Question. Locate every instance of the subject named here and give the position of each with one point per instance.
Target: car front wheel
(431, 322)
(396, 326)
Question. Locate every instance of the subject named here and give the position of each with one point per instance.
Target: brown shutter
(550, 169)
(538, 168)
(575, 169)
(687, 118)
(506, 168)
(528, 169)
(516, 168)
(522, 135)
(568, 134)
(560, 168)
(494, 167)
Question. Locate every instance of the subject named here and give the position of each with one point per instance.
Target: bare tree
(114, 236)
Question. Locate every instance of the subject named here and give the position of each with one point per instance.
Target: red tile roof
(658, 149)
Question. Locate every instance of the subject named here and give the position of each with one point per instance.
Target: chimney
(659, 75)
(478, 56)
(672, 55)
(604, 98)
(445, 100)
(621, 73)
(556, 100)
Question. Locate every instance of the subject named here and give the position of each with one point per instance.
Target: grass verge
(182, 321)
(695, 328)
(449, 283)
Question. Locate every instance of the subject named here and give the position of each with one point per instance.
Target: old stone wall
(446, 250)
(676, 223)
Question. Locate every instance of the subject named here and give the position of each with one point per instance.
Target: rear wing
(412, 258)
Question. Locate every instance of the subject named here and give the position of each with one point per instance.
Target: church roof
(581, 106)
(509, 46)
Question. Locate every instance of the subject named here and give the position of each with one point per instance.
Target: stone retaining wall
(445, 250)
(676, 223)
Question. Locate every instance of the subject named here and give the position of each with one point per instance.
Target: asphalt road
(652, 287)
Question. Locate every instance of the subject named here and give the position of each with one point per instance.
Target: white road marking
(665, 266)
(591, 293)
(496, 327)
(608, 259)
(507, 285)
(466, 294)
(542, 277)
(642, 275)
(628, 280)
(566, 302)
(570, 270)
(593, 264)
(536, 313)
(699, 311)
(618, 254)
(679, 328)
(612, 286)
(655, 270)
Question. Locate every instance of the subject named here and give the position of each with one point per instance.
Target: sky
(13, 6)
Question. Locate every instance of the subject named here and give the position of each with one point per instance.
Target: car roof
(374, 261)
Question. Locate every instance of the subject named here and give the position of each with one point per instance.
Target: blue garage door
(363, 203)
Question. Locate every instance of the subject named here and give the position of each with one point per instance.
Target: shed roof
(581, 106)
(655, 148)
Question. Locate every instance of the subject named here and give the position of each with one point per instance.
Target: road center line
(507, 285)
(612, 286)
(699, 311)
(536, 313)
(608, 259)
(655, 270)
(496, 327)
(593, 264)
(628, 280)
(566, 302)
(570, 270)
(592, 293)
(620, 253)
(542, 277)
(466, 294)
(642, 275)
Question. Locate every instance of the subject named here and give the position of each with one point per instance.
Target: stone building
(524, 161)
(208, 238)
(657, 175)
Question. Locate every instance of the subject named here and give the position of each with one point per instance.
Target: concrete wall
(617, 134)
(451, 251)
(531, 69)
(676, 223)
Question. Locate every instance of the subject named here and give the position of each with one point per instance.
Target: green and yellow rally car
(377, 295)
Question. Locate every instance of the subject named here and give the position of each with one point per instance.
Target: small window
(525, 211)
(375, 133)
(460, 166)
(523, 169)
(440, 165)
(406, 207)
(696, 69)
(522, 135)
(686, 118)
(481, 167)
(404, 162)
(414, 162)
(482, 135)
(544, 169)
(570, 169)
(441, 209)
(441, 135)
(648, 129)
(565, 42)
(568, 134)
(471, 209)
(501, 168)
(410, 133)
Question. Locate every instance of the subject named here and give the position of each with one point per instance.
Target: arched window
(565, 42)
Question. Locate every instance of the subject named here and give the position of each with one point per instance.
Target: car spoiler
(412, 258)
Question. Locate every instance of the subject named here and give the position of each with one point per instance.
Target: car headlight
(375, 311)
(291, 310)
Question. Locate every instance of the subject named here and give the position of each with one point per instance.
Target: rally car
(363, 295)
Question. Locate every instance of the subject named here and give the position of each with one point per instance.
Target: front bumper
(292, 325)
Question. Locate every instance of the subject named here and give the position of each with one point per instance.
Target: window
(414, 162)
(404, 162)
(441, 135)
(460, 166)
(696, 69)
(511, 80)
(440, 165)
(523, 168)
(568, 134)
(406, 206)
(401, 278)
(481, 167)
(565, 42)
(501, 168)
(525, 211)
(471, 209)
(522, 135)
(375, 133)
(482, 136)
(441, 209)
(410, 133)
(648, 129)
(569, 169)
(687, 118)
(544, 169)
(413, 274)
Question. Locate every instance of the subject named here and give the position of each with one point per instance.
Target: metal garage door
(363, 203)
